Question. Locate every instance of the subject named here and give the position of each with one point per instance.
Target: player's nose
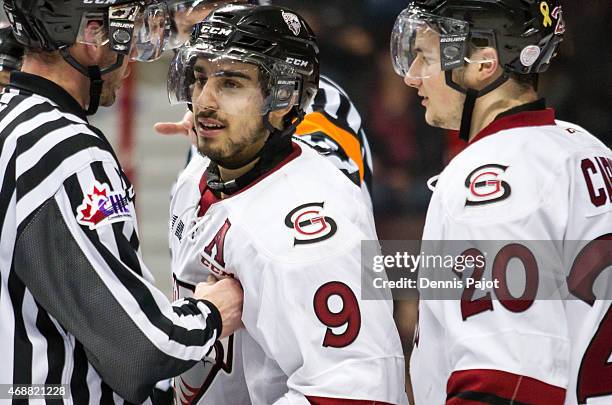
(208, 97)
(412, 81)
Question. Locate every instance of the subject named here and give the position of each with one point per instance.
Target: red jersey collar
(534, 118)
(208, 198)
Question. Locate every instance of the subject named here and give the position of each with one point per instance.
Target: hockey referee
(78, 307)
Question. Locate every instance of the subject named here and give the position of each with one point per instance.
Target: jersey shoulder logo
(484, 185)
(309, 224)
(102, 206)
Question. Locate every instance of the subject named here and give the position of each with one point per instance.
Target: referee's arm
(91, 281)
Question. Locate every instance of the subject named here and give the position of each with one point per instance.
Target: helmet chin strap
(276, 147)
(471, 95)
(94, 74)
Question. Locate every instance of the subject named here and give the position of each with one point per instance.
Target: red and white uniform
(293, 239)
(525, 177)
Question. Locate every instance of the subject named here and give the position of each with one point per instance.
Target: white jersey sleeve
(527, 187)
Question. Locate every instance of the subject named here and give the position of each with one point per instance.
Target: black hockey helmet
(11, 51)
(275, 39)
(511, 27)
(126, 25)
(525, 33)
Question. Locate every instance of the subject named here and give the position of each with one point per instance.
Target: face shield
(138, 30)
(233, 85)
(184, 14)
(423, 44)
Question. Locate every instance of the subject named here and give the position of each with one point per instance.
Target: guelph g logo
(309, 224)
(485, 187)
(293, 22)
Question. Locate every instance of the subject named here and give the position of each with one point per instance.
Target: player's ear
(489, 64)
(482, 68)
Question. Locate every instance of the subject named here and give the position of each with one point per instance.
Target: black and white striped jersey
(333, 126)
(77, 303)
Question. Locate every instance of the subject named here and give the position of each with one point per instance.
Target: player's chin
(437, 121)
(430, 117)
(212, 147)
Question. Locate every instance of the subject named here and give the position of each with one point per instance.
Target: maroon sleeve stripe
(500, 387)
(341, 401)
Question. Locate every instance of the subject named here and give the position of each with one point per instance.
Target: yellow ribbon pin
(546, 13)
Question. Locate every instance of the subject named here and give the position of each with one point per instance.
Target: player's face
(443, 105)
(227, 105)
(114, 79)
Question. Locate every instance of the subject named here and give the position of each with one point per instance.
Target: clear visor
(423, 45)
(133, 29)
(184, 14)
(230, 85)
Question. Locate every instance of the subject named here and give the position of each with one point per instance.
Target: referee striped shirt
(334, 126)
(77, 303)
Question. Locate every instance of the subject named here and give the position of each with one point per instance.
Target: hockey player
(332, 124)
(523, 177)
(271, 212)
(11, 53)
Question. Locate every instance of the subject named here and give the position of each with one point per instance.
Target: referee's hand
(227, 296)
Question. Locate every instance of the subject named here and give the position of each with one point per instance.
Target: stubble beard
(228, 152)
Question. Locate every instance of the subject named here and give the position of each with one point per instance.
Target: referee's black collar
(46, 88)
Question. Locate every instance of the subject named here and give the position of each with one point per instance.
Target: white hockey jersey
(293, 239)
(525, 177)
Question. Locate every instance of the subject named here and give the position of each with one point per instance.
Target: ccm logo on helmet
(297, 62)
(216, 30)
(309, 224)
(484, 185)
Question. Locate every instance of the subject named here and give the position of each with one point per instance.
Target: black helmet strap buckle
(94, 74)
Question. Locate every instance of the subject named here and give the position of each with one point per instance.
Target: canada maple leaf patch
(102, 206)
